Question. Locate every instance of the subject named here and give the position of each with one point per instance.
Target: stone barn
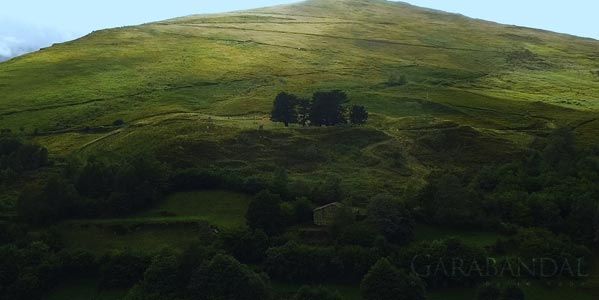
(325, 215)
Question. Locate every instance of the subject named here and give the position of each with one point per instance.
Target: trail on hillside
(392, 42)
(103, 99)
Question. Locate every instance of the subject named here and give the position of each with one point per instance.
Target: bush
(122, 269)
(300, 263)
(392, 219)
(118, 122)
(225, 278)
(302, 211)
(358, 115)
(49, 203)
(161, 278)
(433, 262)
(397, 79)
(385, 282)
(245, 245)
(19, 156)
(264, 213)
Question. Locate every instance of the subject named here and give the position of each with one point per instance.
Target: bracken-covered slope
(468, 80)
(233, 63)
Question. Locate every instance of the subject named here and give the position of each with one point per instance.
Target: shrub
(122, 269)
(397, 79)
(264, 212)
(385, 282)
(392, 219)
(245, 245)
(225, 278)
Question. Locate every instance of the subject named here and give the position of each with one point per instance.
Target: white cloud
(17, 38)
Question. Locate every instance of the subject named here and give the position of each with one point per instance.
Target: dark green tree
(302, 211)
(52, 202)
(122, 269)
(386, 282)
(227, 279)
(392, 219)
(96, 179)
(161, 277)
(303, 111)
(247, 246)
(358, 115)
(284, 108)
(264, 212)
(327, 108)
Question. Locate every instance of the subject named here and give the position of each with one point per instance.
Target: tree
(358, 115)
(49, 203)
(264, 212)
(385, 282)
(302, 211)
(122, 269)
(284, 109)
(295, 262)
(327, 108)
(246, 245)
(95, 180)
(303, 111)
(316, 293)
(392, 219)
(161, 277)
(227, 279)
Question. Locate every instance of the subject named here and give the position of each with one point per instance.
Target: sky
(27, 25)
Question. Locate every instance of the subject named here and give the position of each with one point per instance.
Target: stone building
(325, 215)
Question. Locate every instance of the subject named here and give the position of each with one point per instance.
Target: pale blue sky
(29, 24)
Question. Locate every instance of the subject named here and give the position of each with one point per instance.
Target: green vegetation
(219, 208)
(151, 161)
(385, 282)
(325, 109)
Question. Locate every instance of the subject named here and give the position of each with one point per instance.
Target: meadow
(197, 91)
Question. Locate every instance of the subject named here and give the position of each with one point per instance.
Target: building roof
(336, 204)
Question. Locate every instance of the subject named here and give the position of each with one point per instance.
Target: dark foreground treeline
(545, 205)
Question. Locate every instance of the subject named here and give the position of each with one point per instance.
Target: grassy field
(178, 221)
(196, 91)
(219, 208)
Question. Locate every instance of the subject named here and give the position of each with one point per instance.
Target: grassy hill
(202, 84)
(197, 91)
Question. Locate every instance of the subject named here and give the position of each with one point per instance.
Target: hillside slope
(197, 84)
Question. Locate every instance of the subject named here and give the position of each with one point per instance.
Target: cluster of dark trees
(17, 157)
(96, 188)
(545, 204)
(554, 188)
(324, 109)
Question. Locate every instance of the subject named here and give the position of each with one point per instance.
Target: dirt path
(166, 116)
